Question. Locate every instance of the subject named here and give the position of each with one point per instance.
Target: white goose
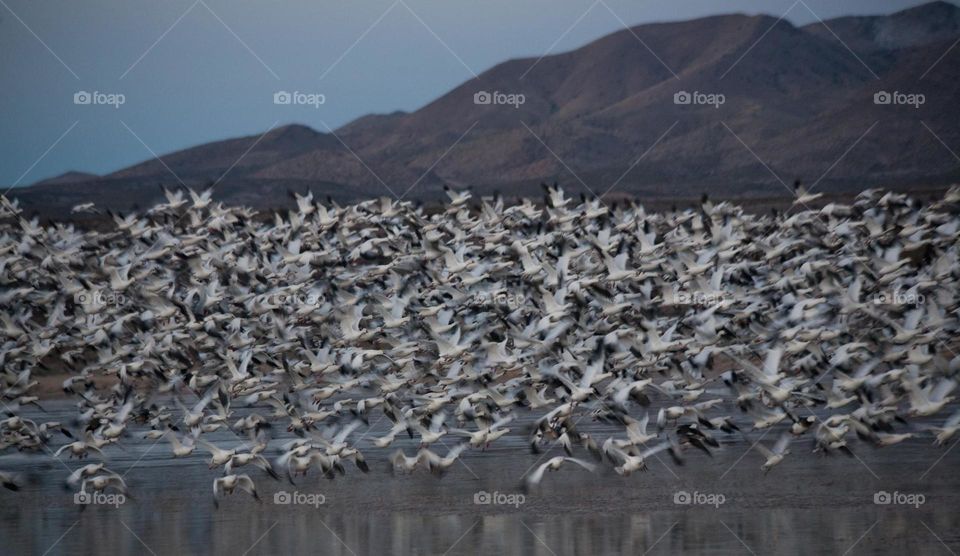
(229, 483)
(533, 479)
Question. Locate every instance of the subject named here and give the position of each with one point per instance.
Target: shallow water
(810, 504)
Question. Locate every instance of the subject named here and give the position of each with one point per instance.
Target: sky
(171, 74)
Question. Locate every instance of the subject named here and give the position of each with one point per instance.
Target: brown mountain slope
(211, 160)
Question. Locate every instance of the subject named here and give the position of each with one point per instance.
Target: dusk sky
(193, 71)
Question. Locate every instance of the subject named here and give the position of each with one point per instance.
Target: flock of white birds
(295, 330)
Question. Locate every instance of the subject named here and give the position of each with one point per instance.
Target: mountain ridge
(795, 99)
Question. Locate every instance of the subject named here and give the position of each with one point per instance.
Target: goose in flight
(185, 447)
(774, 456)
(439, 465)
(300, 459)
(930, 399)
(947, 430)
(84, 208)
(803, 197)
(248, 458)
(457, 198)
(87, 471)
(832, 325)
(486, 432)
(400, 462)
(435, 432)
(229, 483)
(632, 460)
(218, 456)
(104, 481)
(533, 479)
(79, 449)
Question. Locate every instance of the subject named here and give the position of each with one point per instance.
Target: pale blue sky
(213, 74)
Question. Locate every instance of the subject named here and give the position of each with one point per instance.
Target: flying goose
(533, 479)
(229, 483)
(776, 455)
(632, 460)
(324, 319)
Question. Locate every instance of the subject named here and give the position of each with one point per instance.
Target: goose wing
(245, 483)
(584, 464)
(534, 478)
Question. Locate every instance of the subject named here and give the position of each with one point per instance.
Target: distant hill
(68, 177)
(796, 98)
